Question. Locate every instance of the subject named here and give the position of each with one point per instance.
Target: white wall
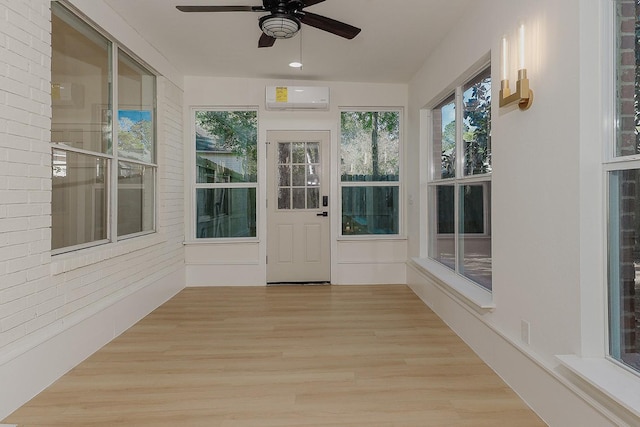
(57, 310)
(371, 261)
(547, 203)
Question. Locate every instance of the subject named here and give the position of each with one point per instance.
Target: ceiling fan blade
(266, 41)
(308, 3)
(331, 25)
(220, 8)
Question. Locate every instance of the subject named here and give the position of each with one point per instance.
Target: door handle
(325, 213)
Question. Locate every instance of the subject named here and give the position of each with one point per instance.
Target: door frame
(284, 125)
(300, 270)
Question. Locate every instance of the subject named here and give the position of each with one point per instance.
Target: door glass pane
(284, 175)
(226, 146)
(370, 210)
(299, 176)
(226, 212)
(80, 90)
(370, 146)
(299, 198)
(475, 234)
(79, 199)
(284, 198)
(441, 224)
(313, 152)
(476, 134)
(313, 175)
(298, 153)
(444, 140)
(136, 110)
(624, 267)
(284, 153)
(298, 183)
(135, 198)
(313, 198)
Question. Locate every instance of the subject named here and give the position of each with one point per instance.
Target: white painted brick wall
(25, 162)
(41, 294)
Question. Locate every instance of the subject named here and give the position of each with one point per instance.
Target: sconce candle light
(523, 94)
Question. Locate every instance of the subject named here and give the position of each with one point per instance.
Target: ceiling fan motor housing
(279, 25)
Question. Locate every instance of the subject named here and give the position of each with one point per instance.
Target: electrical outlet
(525, 331)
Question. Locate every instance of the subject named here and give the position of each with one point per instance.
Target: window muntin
(370, 172)
(444, 139)
(85, 169)
(80, 91)
(136, 198)
(226, 147)
(459, 191)
(623, 176)
(476, 132)
(79, 201)
(370, 146)
(225, 212)
(136, 110)
(474, 238)
(441, 202)
(370, 210)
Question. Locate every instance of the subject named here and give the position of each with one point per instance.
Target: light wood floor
(285, 356)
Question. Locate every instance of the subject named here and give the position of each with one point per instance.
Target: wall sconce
(523, 94)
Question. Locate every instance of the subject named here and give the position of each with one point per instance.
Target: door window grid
(298, 175)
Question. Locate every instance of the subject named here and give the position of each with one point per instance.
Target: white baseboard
(538, 385)
(31, 371)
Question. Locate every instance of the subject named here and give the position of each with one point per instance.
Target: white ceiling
(396, 38)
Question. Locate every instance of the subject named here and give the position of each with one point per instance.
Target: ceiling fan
(284, 19)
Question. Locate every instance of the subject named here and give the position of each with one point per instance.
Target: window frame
(195, 186)
(111, 154)
(373, 184)
(455, 276)
(614, 162)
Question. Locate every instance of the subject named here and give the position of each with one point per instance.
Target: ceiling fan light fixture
(279, 26)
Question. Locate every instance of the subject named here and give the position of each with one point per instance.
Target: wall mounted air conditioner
(297, 98)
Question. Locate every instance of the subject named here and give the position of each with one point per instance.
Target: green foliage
(477, 134)
(135, 139)
(235, 131)
(370, 143)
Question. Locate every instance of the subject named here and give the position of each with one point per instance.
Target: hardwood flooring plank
(282, 356)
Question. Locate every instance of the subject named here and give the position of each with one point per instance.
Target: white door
(298, 249)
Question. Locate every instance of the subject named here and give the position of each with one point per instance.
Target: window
(623, 176)
(93, 183)
(370, 172)
(459, 189)
(226, 173)
(86, 170)
(136, 147)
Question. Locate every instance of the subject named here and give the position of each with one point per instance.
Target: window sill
(370, 237)
(473, 295)
(221, 240)
(605, 378)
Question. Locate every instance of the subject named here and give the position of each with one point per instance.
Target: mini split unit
(297, 98)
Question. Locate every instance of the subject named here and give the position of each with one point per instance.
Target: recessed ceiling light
(295, 64)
